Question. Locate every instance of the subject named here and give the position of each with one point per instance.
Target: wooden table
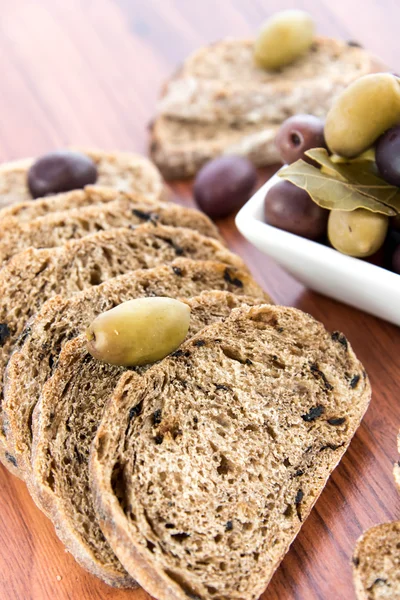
(88, 72)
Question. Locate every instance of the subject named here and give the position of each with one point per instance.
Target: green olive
(357, 233)
(138, 332)
(361, 113)
(367, 156)
(283, 37)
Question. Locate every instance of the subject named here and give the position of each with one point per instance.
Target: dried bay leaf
(357, 172)
(343, 186)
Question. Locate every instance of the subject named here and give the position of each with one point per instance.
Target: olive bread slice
(221, 102)
(204, 469)
(27, 211)
(123, 171)
(376, 563)
(61, 319)
(33, 276)
(61, 445)
(396, 469)
(58, 228)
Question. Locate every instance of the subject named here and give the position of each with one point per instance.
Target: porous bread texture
(91, 194)
(58, 228)
(204, 469)
(61, 319)
(180, 150)
(33, 276)
(376, 563)
(61, 444)
(231, 59)
(220, 101)
(124, 171)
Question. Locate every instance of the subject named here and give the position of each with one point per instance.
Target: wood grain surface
(87, 73)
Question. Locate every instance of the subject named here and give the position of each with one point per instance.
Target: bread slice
(396, 469)
(58, 228)
(204, 469)
(61, 319)
(180, 149)
(221, 102)
(376, 558)
(33, 276)
(61, 445)
(27, 211)
(376, 563)
(123, 171)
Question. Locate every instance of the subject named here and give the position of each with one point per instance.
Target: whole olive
(283, 37)
(224, 184)
(291, 208)
(299, 134)
(396, 260)
(60, 171)
(395, 223)
(138, 332)
(357, 233)
(391, 242)
(361, 113)
(387, 155)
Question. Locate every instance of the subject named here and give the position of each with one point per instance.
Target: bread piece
(33, 276)
(376, 563)
(231, 59)
(61, 319)
(221, 102)
(123, 171)
(58, 228)
(181, 149)
(61, 446)
(396, 469)
(204, 469)
(92, 194)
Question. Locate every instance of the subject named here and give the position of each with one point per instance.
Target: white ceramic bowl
(319, 267)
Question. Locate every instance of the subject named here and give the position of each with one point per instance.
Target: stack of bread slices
(191, 476)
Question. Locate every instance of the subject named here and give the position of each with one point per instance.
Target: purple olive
(387, 155)
(299, 134)
(395, 223)
(291, 208)
(224, 184)
(60, 171)
(396, 260)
